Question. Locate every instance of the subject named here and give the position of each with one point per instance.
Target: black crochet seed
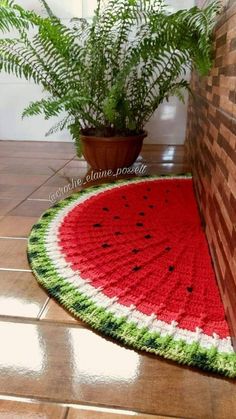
(145, 197)
(135, 251)
(171, 268)
(136, 268)
(97, 225)
(148, 189)
(106, 245)
(118, 233)
(105, 209)
(142, 214)
(124, 197)
(189, 289)
(148, 236)
(151, 206)
(168, 248)
(139, 224)
(126, 205)
(116, 217)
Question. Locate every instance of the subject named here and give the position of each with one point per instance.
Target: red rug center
(143, 243)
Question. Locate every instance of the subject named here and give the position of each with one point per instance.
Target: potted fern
(106, 77)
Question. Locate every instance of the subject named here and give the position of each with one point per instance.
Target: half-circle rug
(131, 259)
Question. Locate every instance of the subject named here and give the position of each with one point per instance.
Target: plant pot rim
(114, 137)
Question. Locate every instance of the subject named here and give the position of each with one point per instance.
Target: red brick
(211, 142)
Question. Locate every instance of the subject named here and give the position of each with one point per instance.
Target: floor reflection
(9, 305)
(93, 355)
(28, 355)
(168, 154)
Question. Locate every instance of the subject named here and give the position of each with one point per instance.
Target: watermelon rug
(131, 259)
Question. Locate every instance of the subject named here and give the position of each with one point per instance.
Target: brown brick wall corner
(211, 146)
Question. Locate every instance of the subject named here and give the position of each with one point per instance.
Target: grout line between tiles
(83, 406)
(38, 187)
(43, 308)
(15, 270)
(45, 322)
(38, 199)
(76, 324)
(35, 158)
(13, 238)
(54, 173)
(7, 199)
(6, 318)
(66, 412)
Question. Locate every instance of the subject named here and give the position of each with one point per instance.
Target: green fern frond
(47, 9)
(61, 125)
(112, 73)
(53, 107)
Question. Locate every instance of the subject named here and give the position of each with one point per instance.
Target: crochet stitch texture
(131, 259)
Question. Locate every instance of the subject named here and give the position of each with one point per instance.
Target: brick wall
(211, 144)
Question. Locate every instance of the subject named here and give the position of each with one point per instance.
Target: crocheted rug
(131, 259)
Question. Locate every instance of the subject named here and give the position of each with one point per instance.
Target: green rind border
(106, 323)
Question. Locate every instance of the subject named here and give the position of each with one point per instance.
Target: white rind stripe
(96, 295)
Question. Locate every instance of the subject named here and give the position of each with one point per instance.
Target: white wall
(166, 126)
(15, 94)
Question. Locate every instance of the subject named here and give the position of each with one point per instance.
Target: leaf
(109, 74)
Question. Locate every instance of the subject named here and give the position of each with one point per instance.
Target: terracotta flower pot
(111, 152)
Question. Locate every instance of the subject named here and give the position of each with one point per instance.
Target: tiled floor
(52, 365)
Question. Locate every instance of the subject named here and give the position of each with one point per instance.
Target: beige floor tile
(6, 205)
(38, 150)
(31, 208)
(70, 364)
(30, 166)
(21, 179)
(16, 226)
(167, 168)
(13, 254)
(48, 192)
(79, 413)
(23, 410)
(16, 191)
(56, 313)
(21, 296)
